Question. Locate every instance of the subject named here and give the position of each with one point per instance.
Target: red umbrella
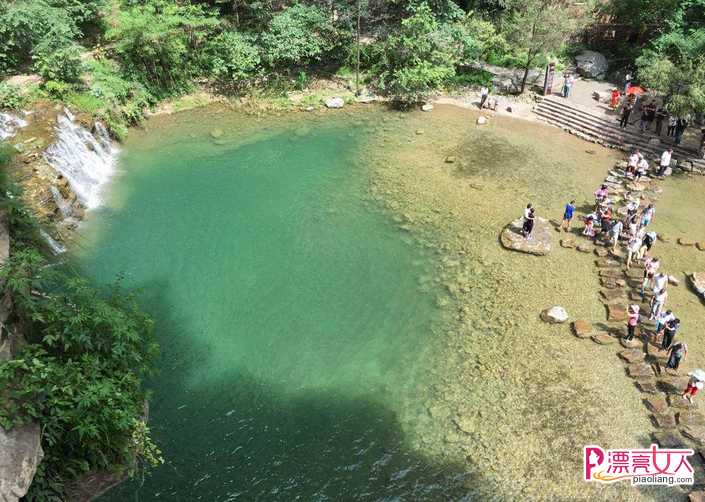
(635, 89)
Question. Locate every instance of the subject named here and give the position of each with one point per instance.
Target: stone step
(606, 136)
(610, 125)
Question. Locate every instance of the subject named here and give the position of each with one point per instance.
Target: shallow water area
(290, 319)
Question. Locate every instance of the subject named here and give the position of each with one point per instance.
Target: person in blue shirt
(568, 215)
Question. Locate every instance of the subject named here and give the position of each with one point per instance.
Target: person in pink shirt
(600, 196)
(632, 321)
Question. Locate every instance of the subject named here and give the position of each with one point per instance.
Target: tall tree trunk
(523, 80)
(357, 63)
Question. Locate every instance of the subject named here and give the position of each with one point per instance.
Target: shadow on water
(240, 438)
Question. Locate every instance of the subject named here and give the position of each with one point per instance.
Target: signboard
(548, 79)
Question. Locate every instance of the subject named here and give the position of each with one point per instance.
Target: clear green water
(293, 331)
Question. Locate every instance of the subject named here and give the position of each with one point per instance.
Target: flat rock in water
(216, 133)
(635, 273)
(677, 401)
(584, 248)
(538, 243)
(672, 280)
(427, 107)
(656, 404)
(450, 159)
(663, 238)
(621, 283)
(647, 385)
(683, 241)
(632, 355)
(668, 439)
(690, 418)
(602, 252)
(335, 102)
(606, 262)
(611, 272)
(554, 315)
(608, 282)
(582, 328)
(639, 370)
(616, 312)
(568, 242)
(695, 433)
(697, 279)
(672, 383)
(20, 454)
(700, 245)
(603, 338)
(481, 120)
(612, 294)
(664, 420)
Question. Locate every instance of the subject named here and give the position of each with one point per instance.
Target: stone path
(678, 423)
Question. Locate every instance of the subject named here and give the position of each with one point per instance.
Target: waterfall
(56, 247)
(87, 160)
(9, 124)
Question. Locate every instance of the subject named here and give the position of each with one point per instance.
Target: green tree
(539, 27)
(417, 59)
(232, 58)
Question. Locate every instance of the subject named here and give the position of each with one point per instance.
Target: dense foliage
(79, 374)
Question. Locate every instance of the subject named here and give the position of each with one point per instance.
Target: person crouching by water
(528, 226)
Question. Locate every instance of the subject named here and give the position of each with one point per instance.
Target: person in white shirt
(632, 249)
(660, 282)
(665, 162)
(642, 168)
(657, 303)
(633, 161)
(616, 231)
(651, 266)
(662, 319)
(484, 94)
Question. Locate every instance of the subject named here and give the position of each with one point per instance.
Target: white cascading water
(56, 247)
(85, 159)
(9, 124)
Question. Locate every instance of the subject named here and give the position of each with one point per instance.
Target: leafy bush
(57, 90)
(26, 23)
(58, 63)
(11, 97)
(87, 14)
(232, 57)
(417, 59)
(159, 44)
(79, 374)
(297, 36)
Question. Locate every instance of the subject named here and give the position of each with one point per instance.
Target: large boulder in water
(538, 243)
(335, 102)
(591, 64)
(20, 454)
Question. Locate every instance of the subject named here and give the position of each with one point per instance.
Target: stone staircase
(604, 130)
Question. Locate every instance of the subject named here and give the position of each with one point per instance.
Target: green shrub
(232, 58)
(79, 374)
(418, 58)
(297, 36)
(57, 90)
(10, 97)
(62, 64)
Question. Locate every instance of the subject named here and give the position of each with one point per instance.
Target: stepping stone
(582, 328)
(612, 273)
(635, 296)
(635, 273)
(612, 294)
(668, 439)
(647, 385)
(700, 246)
(656, 404)
(672, 383)
(690, 418)
(663, 238)
(676, 401)
(584, 248)
(603, 338)
(606, 263)
(608, 282)
(621, 283)
(632, 355)
(640, 370)
(631, 344)
(568, 243)
(683, 241)
(602, 252)
(616, 312)
(664, 420)
(673, 281)
(695, 433)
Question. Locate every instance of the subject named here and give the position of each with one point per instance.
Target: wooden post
(548, 79)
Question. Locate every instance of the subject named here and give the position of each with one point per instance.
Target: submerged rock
(582, 328)
(481, 120)
(697, 279)
(538, 243)
(427, 107)
(554, 315)
(216, 133)
(335, 102)
(20, 454)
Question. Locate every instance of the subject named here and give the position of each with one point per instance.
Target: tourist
(614, 100)
(633, 161)
(647, 242)
(568, 81)
(661, 115)
(657, 303)
(605, 213)
(601, 195)
(647, 215)
(528, 226)
(651, 266)
(672, 121)
(665, 161)
(669, 332)
(484, 94)
(644, 120)
(626, 113)
(615, 232)
(527, 212)
(633, 249)
(589, 230)
(627, 82)
(641, 168)
(663, 319)
(660, 282)
(568, 215)
(694, 385)
(681, 126)
(632, 321)
(676, 353)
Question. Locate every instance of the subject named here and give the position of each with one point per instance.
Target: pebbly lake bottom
(339, 322)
